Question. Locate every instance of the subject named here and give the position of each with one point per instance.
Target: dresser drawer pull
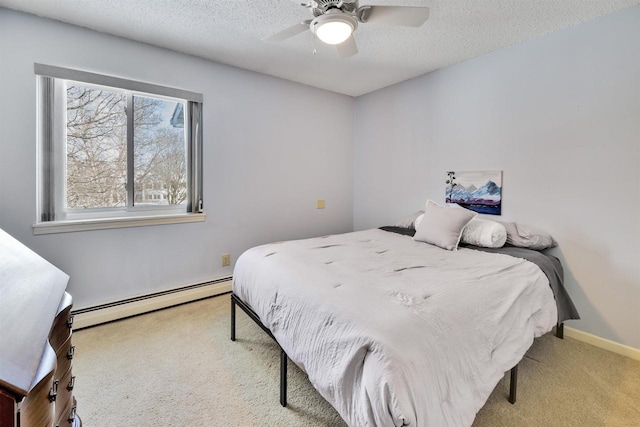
(53, 393)
(72, 414)
(70, 321)
(71, 351)
(72, 383)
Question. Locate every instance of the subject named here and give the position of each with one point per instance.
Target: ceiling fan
(335, 21)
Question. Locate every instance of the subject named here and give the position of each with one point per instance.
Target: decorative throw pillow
(485, 233)
(409, 221)
(442, 226)
(525, 236)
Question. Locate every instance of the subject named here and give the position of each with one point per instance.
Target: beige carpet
(177, 367)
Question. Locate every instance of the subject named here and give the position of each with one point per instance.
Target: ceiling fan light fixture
(334, 32)
(334, 27)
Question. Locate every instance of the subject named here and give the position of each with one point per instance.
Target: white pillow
(417, 221)
(484, 233)
(442, 226)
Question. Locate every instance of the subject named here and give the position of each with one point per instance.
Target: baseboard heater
(103, 313)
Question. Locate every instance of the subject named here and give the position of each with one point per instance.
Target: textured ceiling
(230, 32)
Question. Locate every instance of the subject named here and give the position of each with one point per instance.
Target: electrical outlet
(320, 204)
(226, 260)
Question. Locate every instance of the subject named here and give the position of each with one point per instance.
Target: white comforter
(396, 332)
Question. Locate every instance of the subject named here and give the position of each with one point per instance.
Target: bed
(392, 331)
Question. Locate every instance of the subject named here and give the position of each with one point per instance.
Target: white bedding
(396, 332)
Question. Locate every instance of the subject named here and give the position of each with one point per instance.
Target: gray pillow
(409, 221)
(442, 226)
(525, 236)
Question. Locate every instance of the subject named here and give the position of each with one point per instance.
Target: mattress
(396, 332)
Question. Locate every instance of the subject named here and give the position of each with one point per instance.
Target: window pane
(96, 148)
(160, 166)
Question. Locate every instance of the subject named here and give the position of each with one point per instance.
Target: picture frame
(479, 191)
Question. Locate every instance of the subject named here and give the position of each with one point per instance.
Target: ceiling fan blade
(347, 48)
(287, 33)
(304, 3)
(408, 16)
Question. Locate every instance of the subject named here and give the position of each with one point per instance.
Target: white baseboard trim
(625, 350)
(96, 315)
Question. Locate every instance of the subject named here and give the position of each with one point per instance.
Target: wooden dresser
(36, 354)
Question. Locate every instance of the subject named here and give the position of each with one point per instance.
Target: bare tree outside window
(97, 150)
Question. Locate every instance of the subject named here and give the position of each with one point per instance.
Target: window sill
(107, 223)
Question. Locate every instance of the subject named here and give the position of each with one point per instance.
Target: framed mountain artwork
(479, 191)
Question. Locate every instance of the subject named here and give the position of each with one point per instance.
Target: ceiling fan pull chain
(315, 42)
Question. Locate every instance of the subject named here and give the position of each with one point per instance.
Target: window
(116, 151)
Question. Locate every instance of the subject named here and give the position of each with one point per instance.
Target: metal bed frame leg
(283, 378)
(514, 384)
(283, 356)
(560, 330)
(233, 319)
(514, 371)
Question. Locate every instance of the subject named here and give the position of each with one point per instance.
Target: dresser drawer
(69, 418)
(65, 394)
(37, 408)
(61, 327)
(64, 355)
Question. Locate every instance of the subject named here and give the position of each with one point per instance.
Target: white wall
(560, 115)
(266, 161)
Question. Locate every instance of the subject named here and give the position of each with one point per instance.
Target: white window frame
(52, 216)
